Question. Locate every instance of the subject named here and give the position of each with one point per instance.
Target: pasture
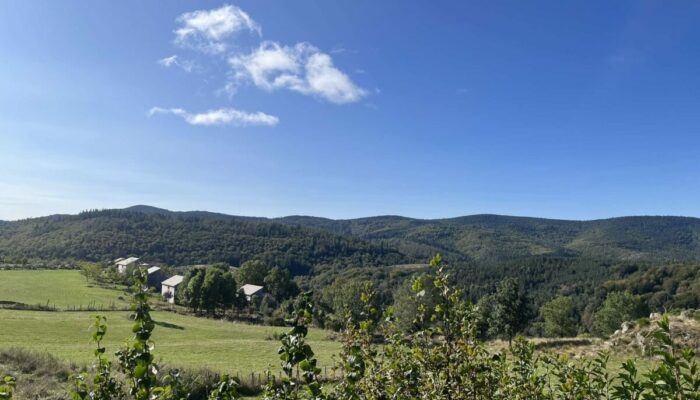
(62, 289)
(180, 340)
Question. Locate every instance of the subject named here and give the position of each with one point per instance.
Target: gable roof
(173, 280)
(250, 290)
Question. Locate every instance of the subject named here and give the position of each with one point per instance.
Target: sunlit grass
(62, 289)
(180, 340)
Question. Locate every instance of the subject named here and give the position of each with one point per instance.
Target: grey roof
(250, 290)
(173, 280)
(127, 261)
(153, 269)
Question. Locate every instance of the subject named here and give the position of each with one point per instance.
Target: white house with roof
(251, 291)
(123, 263)
(169, 286)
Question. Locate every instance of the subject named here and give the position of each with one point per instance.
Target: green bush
(618, 308)
(7, 387)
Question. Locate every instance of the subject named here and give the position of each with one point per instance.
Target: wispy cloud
(168, 61)
(207, 30)
(174, 60)
(222, 116)
(301, 68)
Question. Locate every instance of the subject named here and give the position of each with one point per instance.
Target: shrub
(617, 308)
(7, 387)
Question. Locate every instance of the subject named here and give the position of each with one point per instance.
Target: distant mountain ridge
(474, 238)
(493, 237)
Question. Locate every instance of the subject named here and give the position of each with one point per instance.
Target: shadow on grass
(169, 325)
(553, 344)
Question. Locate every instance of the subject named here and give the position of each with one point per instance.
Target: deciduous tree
(510, 312)
(559, 317)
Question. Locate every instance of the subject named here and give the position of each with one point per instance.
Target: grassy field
(62, 289)
(180, 340)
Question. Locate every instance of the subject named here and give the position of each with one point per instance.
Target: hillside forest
(651, 261)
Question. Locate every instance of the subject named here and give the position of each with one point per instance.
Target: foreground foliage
(446, 361)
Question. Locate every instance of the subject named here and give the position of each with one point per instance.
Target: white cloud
(222, 116)
(173, 60)
(206, 30)
(302, 68)
(168, 61)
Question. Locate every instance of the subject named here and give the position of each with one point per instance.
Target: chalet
(169, 286)
(252, 291)
(123, 263)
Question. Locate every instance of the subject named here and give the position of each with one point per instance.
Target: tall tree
(218, 289)
(252, 272)
(510, 310)
(212, 294)
(279, 284)
(559, 317)
(192, 293)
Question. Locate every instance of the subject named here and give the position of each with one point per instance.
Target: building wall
(168, 293)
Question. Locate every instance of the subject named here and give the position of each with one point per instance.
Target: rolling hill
(186, 238)
(495, 237)
(301, 242)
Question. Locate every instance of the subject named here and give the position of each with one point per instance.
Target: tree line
(215, 289)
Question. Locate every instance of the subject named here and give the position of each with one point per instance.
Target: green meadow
(180, 340)
(62, 289)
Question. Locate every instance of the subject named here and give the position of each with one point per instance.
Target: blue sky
(574, 110)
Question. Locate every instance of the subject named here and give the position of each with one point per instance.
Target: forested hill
(494, 237)
(186, 238)
(300, 242)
